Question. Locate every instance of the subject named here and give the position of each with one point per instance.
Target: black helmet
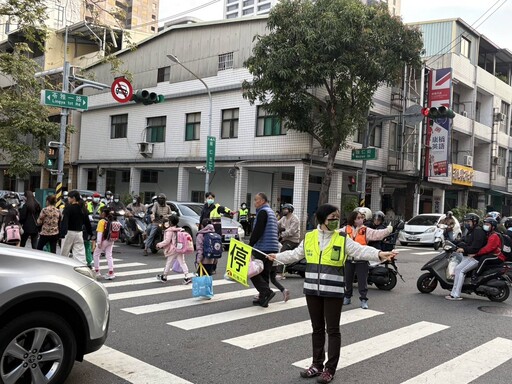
(108, 193)
(494, 215)
(379, 215)
(288, 206)
(508, 222)
(117, 196)
(449, 214)
(161, 198)
(491, 221)
(472, 217)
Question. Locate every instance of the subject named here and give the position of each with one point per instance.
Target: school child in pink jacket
(169, 246)
(104, 245)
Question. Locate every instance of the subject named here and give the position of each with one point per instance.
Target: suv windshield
(191, 209)
(423, 220)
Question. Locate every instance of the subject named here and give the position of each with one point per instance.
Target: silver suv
(52, 312)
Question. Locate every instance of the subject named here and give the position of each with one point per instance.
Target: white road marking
(365, 349)
(146, 280)
(237, 314)
(289, 331)
(157, 291)
(131, 369)
(140, 271)
(127, 265)
(469, 366)
(151, 308)
(427, 253)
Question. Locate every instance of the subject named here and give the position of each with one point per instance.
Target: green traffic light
(145, 97)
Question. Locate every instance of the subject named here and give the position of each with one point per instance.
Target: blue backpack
(212, 245)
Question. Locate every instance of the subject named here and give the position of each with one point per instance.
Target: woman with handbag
(326, 249)
(28, 219)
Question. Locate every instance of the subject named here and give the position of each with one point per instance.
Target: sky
(471, 11)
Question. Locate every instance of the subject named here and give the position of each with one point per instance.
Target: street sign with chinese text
(64, 100)
(364, 154)
(210, 154)
(239, 257)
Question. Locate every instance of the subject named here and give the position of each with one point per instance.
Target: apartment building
(481, 94)
(242, 8)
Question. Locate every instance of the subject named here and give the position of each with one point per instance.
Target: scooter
(493, 282)
(135, 236)
(439, 236)
(119, 216)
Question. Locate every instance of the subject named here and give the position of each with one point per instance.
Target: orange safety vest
(360, 237)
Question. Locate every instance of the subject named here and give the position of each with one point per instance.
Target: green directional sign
(64, 100)
(364, 154)
(210, 154)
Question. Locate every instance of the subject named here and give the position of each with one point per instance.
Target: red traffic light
(425, 111)
(351, 179)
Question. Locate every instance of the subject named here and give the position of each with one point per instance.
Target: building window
(60, 15)
(375, 137)
(248, 11)
(248, 2)
(456, 102)
(147, 176)
(264, 7)
(125, 176)
(118, 126)
(164, 74)
(504, 124)
(229, 123)
(146, 196)
(233, 7)
(232, 16)
(465, 46)
(502, 154)
(509, 168)
(268, 125)
(392, 136)
(225, 61)
(197, 197)
(232, 1)
(156, 129)
(192, 127)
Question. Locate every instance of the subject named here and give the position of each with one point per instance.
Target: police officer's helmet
(289, 207)
(493, 222)
(379, 215)
(472, 217)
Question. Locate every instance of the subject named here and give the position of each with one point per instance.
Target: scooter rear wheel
(426, 283)
(502, 296)
(390, 284)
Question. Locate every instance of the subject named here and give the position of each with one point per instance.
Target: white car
(421, 229)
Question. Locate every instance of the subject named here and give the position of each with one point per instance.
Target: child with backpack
(174, 248)
(208, 246)
(11, 230)
(104, 244)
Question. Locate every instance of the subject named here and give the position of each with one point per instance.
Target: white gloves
(390, 228)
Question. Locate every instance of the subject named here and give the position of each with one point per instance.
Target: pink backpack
(12, 233)
(184, 243)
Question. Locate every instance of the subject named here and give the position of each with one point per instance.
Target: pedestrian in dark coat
(28, 219)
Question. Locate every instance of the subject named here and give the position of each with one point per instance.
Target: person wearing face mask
(326, 250)
(107, 199)
(159, 212)
(361, 234)
(491, 253)
(289, 228)
(214, 211)
(95, 206)
(243, 218)
(134, 209)
(474, 240)
(117, 205)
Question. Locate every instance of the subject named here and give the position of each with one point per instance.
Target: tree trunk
(326, 180)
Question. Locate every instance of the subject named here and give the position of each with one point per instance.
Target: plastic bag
(455, 259)
(176, 267)
(255, 268)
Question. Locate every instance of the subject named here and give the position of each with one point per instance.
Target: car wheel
(37, 347)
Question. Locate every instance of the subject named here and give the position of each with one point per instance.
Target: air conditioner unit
(500, 116)
(468, 161)
(495, 160)
(464, 113)
(146, 149)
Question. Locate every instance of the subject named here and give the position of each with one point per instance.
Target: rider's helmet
(367, 212)
(508, 222)
(379, 215)
(492, 222)
(162, 199)
(116, 198)
(473, 217)
(494, 215)
(108, 194)
(289, 207)
(136, 198)
(449, 214)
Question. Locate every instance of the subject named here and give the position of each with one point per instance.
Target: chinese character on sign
(239, 258)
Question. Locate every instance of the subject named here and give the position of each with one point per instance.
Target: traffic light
(51, 157)
(438, 113)
(145, 97)
(352, 181)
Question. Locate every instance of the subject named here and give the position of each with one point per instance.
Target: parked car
(421, 228)
(190, 213)
(52, 312)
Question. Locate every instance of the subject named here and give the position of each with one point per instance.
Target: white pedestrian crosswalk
(135, 281)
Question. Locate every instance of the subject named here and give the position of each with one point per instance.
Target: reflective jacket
(243, 214)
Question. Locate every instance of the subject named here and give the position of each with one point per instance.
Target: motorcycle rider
(449, 221)
(377, 223)
(134, 209)
(289, 228)
(497, 216)
(116, 204)
(159, 212)
(361, 234)
(491, 253)
(474, 240)
(107, 199)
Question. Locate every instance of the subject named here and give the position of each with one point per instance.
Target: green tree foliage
(320, 64)
(23, 121)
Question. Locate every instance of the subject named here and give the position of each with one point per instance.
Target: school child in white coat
(104, 245)
(169, 246)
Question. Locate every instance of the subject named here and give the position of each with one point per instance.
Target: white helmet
(367, 212)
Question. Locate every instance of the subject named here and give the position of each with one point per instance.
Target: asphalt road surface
(160, 334)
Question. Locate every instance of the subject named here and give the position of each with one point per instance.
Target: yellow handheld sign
(239, 257)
